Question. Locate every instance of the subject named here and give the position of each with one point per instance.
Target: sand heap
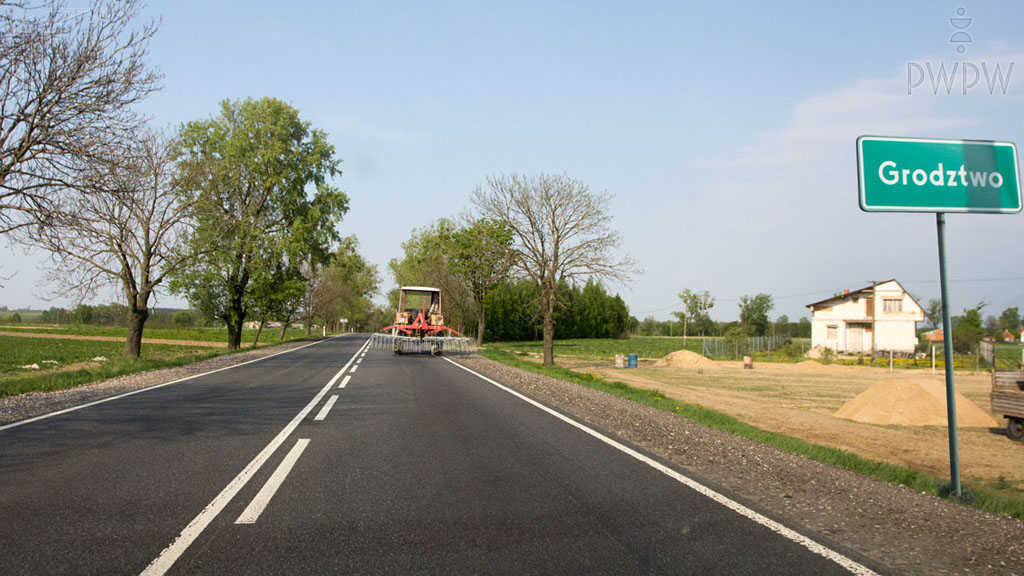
(686, 359)
(906, 402)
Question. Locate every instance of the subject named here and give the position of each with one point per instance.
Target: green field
(196, 334)
(648, 347)
(645, 347)
(1008, 356)
(74, 362)
(66, 363)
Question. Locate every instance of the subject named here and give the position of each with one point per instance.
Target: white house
(876, 318)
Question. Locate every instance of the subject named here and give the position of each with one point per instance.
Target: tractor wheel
(1015, 429)
(396, 347)
(435, 349)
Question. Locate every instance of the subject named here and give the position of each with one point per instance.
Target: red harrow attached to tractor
(419, 325)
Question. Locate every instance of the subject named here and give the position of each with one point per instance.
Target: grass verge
(75, 367)
(990, 501)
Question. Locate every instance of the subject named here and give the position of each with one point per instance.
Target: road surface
(334, 459)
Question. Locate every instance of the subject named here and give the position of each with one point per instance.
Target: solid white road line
(327, 407)
(772, 525)
(344, 381)
(259, 503)
(169, 555)
(133, 392)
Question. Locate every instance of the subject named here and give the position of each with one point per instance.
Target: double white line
(170, 555)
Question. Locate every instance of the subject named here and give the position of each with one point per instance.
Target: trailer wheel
(1015, 429)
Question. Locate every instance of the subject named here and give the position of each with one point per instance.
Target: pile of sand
(912, 403)
(686, 359)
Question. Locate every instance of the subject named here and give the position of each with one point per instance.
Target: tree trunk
(235, 318)
(549, 330)
(481, 322)
(259, 330)
(136, 320)
(284, 327)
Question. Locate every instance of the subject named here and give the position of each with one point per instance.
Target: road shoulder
(895, 527)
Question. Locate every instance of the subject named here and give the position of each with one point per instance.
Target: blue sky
(724, 130)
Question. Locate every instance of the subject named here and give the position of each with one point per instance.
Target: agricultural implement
(1008, 400)
(419, 326)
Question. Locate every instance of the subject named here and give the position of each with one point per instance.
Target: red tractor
(419, 321)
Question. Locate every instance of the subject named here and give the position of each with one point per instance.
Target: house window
(831, 333)
(892, 305)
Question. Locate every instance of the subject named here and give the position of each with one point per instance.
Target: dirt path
(207, 343)
(800, 399)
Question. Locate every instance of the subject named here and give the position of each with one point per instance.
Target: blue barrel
(632, 361)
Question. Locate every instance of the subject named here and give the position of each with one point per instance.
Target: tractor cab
(419, 308)
(419, 324)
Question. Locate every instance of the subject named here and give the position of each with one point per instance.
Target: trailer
(1008, 400)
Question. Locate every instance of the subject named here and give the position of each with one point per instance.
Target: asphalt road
(414, 466)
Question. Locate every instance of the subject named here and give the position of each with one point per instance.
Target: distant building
(880, 317)
(934, 335)
(1009, 336)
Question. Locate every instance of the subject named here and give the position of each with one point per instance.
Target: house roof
(867, 290)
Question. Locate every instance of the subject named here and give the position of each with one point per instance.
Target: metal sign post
(947, 350)
(939, 176)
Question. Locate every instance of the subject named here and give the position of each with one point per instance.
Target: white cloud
(780, 215)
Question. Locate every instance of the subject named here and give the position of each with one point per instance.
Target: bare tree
(562, 232)
(125, 226)
(68, 80)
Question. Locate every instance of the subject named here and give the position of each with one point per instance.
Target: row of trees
(236, 212)
(532, 246)
(781, 326)
(1009, 319)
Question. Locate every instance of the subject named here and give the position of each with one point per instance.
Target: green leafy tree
(696, 311)
(754, 312)
(346, 287)
(481, 257)
(512, 311)
(427, 261)
(782, 327)
(991, 325)
(260, 177)
(968, 331)
(1010, 320)
(933, 313)
(277, 287)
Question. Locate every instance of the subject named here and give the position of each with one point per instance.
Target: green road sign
(920, 175)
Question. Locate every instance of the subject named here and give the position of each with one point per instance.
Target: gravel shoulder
(24, 406)
(889, 527)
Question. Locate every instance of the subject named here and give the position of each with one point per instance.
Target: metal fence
(736, 348)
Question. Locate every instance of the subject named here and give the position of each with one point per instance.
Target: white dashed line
(344, 381)
(327, 407)
(188, 535)
(259, 503)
